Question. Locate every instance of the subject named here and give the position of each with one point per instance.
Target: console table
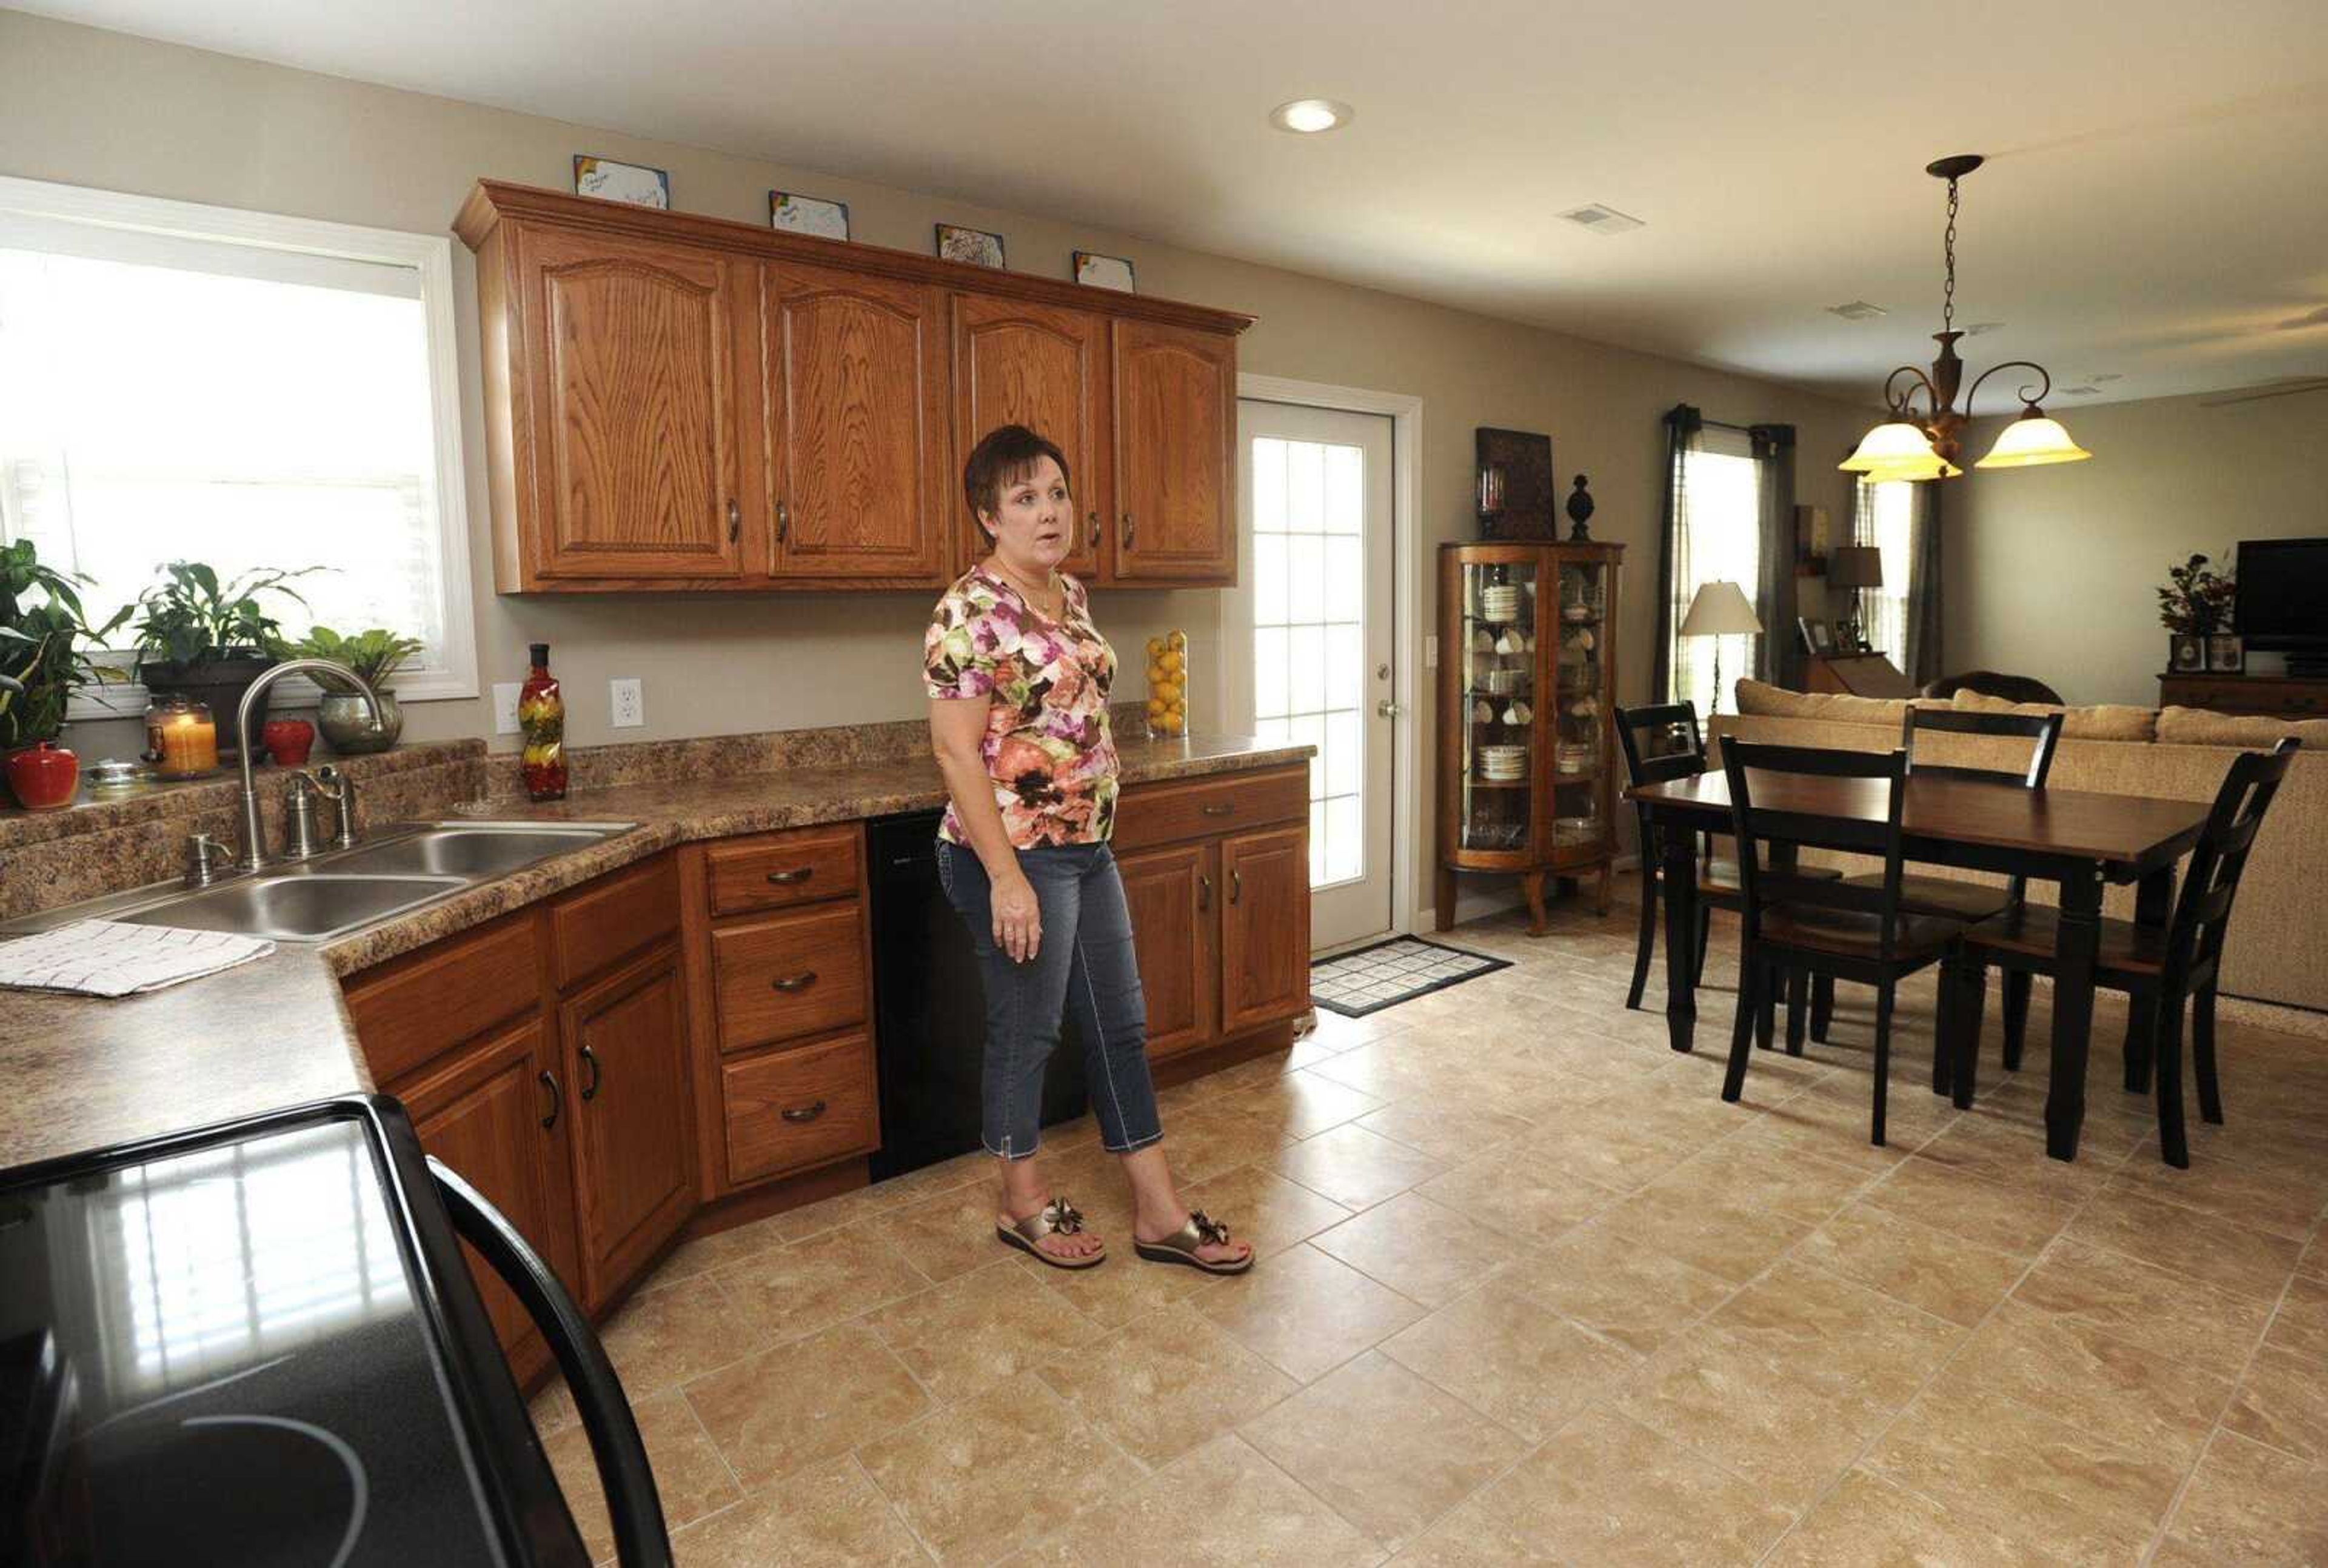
(1855, 675)
(2272, 696)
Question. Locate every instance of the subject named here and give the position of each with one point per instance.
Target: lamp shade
(1913, 470)
(1890, 446)
(2030, 440)
(1856, 566)
(1720, 609)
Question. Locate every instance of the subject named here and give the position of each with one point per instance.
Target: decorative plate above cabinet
(675, 402)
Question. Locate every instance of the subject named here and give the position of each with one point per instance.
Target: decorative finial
(1580, 512)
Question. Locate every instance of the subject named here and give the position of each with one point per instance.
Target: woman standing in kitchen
(1018, 678)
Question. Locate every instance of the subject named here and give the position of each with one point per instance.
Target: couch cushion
(1759, 697)
(2103, 721)
(2205, 726)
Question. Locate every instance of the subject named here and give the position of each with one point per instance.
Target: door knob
(1388, 709)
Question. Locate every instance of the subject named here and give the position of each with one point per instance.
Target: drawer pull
(803, 1114)
(790, 983)
(1225, 809)
(786, 878)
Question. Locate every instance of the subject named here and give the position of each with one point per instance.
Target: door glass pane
(1310, 631)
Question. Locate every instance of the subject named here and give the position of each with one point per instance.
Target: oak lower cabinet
(1175, 457)
(626, 1043)
(496, 1114)
(1016, 362)
(1216, 876)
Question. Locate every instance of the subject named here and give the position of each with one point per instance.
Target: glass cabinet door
(1575, 725)
(1501, 718)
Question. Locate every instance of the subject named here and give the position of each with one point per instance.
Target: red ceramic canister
(43, 777)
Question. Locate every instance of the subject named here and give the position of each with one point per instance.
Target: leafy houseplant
(209, 640)
(41, 625)
(375, 654)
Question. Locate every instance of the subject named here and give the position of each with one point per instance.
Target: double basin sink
(400, 869)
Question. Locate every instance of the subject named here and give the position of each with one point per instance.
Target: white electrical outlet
(1430, 652)
(630, 703)
(505, 707)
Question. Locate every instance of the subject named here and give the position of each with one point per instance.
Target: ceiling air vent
(1857, 310)
(2077, 391)
(1602, 219)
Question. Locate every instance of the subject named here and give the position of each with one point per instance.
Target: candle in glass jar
(188, 745)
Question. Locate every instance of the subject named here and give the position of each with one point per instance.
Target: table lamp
(1720, 610)
(1855, 567)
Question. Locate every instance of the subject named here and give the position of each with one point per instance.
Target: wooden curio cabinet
(1527, 682)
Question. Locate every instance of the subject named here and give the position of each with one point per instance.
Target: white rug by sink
(112, 958)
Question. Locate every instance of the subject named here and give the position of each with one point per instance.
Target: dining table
(2079, 839)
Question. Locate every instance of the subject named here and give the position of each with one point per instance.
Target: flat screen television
(2282, 601)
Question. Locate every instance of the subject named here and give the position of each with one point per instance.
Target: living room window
(1885, 515)
(1718, 538)
(181, 382)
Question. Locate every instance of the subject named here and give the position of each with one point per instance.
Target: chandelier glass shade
(1918, 444)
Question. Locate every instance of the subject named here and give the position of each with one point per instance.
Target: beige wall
(103, 109)
(2049, 571)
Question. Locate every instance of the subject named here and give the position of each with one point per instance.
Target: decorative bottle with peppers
(541, 718)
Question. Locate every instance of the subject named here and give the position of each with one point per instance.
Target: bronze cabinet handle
(1236, 886)
(783, 521)
(1127, 530)
(735, 521)
(1220, 811)
(799, 1113)
(1095, 531)
(786, 878)
(590, 1090)
(557, 1102)
(1204, 891)
(793, 983)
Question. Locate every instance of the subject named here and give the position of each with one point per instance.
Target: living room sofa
(2278, 946)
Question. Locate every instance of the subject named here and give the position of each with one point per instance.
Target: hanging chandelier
(1926, 444)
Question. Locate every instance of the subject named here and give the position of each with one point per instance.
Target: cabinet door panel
(854, 372)
(483, 1114)
(1045, 369)
(637, 411)
(627, 1067)
(1175, 455)
(1265, 927)
(1174, 898)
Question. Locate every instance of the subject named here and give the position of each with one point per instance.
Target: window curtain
(1902, 519)
(1730, 515)
(1777, 656)
(1684, 435)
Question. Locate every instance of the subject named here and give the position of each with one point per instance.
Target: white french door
(1314, 609)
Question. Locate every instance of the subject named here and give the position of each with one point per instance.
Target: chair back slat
(2203, 910)
(2044, 728)
(1661, 743)
(1758, 827)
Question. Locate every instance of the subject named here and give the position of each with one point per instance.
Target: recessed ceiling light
(1602, 219)
(2078, 392)
(2106, 376)
(1308, 116)
(1857, 310)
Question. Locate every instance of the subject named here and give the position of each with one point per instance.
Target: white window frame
(430, 256)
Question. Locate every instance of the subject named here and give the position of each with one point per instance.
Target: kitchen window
(180, 382)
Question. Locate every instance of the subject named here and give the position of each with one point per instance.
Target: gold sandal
(1058, 1217)
(1181, 1246)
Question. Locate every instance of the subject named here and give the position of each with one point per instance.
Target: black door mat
(1398, 970)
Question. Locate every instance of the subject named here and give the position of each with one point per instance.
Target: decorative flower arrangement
(2197, 599)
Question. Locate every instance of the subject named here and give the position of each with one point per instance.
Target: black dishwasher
(929, 1009)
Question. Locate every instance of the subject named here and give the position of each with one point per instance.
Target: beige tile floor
(1529, 1293)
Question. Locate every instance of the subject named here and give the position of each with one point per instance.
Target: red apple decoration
(288, 740)
(43, 777)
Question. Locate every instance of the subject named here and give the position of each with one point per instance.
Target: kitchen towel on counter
(109, 958)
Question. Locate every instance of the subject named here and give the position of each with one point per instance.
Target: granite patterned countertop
(83, 1073)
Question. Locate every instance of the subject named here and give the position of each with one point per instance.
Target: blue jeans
(1085, 963)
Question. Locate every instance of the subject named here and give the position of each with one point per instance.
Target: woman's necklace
(1049, 602)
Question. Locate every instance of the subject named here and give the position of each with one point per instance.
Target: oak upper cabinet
(1170, 895)
(635, 468)
(627, 1078)
(1175, 397)
(1264, 926)
(1016, 362)
(854, 375)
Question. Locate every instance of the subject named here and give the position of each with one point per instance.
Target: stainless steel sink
(464, 851)
(299, 908)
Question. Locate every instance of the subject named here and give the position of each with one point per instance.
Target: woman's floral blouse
(1047, 745)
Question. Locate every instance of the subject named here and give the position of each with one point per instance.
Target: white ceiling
(2156, 206)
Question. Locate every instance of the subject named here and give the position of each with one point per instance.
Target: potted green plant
(375, 653)
(2196, 601)
(211, 640)
(42, 628)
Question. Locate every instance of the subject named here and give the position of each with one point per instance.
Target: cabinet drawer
(770, 873)
(796, 1109)
(790, 975)
(612, 918)
(1162, 814)
(409, 1012)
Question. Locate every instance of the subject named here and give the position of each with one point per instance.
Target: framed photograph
(975, 245)
(1818, 636)
(1516, 491)
(613, 182)
(1812, 534)
(2186, 653)
(2226, 653)
(797, 215)
(1105, 271)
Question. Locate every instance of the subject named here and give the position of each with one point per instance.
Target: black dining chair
(1948, 897)
(1663, 743)
(2160, 970)
(1837, 930)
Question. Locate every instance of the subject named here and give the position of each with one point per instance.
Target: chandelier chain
(1948, 297)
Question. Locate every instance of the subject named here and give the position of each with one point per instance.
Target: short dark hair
(1005, 455)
